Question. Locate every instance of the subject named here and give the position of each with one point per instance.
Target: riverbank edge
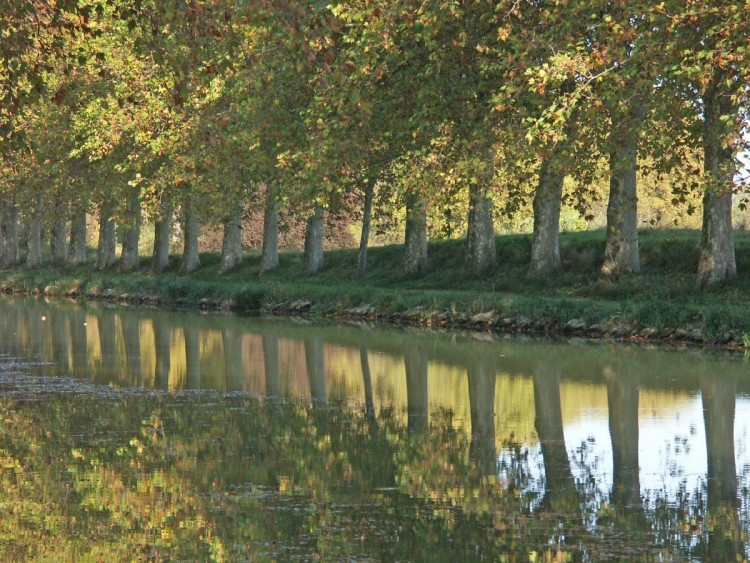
(596, 319)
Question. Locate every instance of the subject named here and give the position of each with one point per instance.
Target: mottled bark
(270, 254)
(315, 361)
(190, 258)
(107, 245)
(417, 405)
(77, 250)
(231, 248)
(621, 252)
(129, 256)
(545, 245)
(10, 238)
(34, 242)
(162, 237)
(717, 259)
(480, 237)
(313, 257)
(364, 239)
(415, 240)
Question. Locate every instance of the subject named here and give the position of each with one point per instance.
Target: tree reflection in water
(434, 455)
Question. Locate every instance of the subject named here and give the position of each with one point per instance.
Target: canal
(139, 434)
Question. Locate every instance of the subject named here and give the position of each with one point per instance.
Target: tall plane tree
(705, 53)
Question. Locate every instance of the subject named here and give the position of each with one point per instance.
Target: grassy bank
(660, 303)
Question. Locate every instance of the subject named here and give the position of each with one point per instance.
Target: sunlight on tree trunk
(415, 240)
(231, 248)
(364, 239)
(545, 245)
(717, 260)
(313, 257)
(621, 250)
(77, 253)
(129, 256)
(162, 236)
(190, 257)
(270, 253)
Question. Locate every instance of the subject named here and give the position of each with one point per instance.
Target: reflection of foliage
(208, 477)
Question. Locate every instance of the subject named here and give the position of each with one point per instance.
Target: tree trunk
(545, 246)
(77, 253)
(107, 245)
(270, 255)
(190, 258)
(313, 258)
(10, 240)
(717, 260)
(621, 251)
(415, 243)
(34, 242)
(129, 257)
(480, 238)
(162, 237)
(364, 239)
(231, 249)
(59, 240)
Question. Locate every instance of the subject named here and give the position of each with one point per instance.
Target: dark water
(180, 436)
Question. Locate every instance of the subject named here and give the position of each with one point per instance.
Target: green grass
(662, 296)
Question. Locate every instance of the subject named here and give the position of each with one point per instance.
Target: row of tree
(133, 108)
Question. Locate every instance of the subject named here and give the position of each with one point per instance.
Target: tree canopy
(455, 108)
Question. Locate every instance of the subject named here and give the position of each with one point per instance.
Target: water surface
(172, 436)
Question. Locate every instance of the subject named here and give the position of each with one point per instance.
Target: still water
(159, 435)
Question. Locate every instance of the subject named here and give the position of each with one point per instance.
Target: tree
(704, 53)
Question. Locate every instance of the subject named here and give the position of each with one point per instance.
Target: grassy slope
(662, 296)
